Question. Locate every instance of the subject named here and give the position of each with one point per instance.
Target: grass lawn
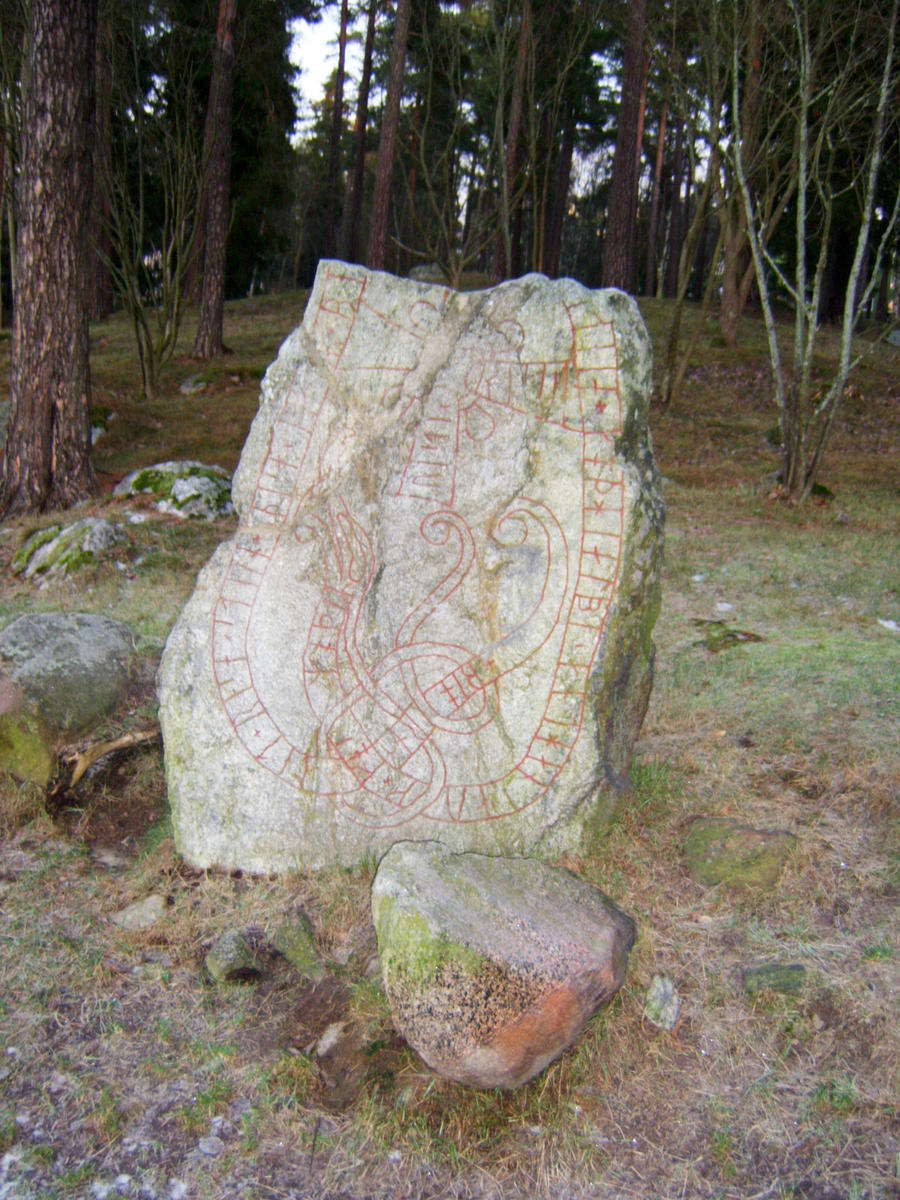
(122, 1072)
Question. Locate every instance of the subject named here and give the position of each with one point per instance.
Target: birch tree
(841, 112)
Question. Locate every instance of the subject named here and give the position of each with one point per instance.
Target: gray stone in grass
(719, 850)
(295, 939)
(59, 674)
(142, 914)
(493, 966)
(192, 385)
(231, 959)
(435, 618)
(663, 1003)
(72, 667)
(58, 549)
(182, 488)
(788, 978)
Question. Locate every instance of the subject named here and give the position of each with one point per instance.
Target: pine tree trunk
(676, 223)
(102, 293)
(505, 255)
(650, 274)
(560, 198)
(356, 184)
(334, 151)
(209, 341)
(386, 147)
(46, 462)
(621, 227)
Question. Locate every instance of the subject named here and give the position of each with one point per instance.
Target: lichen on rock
(493, 966)
(435, 617)
(59, 549)
(182, 488)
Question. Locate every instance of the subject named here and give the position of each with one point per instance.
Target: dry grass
(118, 1058)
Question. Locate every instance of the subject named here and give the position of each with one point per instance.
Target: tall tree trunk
(218, 171)
(882, 311)
(560, 197)
(334, 149)
(621, 225)
(2, 207)
(356, 183)
(47, 458)
(504, 253)
(101, 298)
(737, 273)
(652, 231)
(676, 222)
(387, 143)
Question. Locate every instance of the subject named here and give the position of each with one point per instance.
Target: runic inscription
(405, 632)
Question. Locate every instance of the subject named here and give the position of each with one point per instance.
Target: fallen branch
(75, 761)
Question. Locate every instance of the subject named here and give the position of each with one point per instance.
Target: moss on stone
(25, 750)
(787, 978)
(718, 850)
(411, 951)
(39, 538)
(295, 939)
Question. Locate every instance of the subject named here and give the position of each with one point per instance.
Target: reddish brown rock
(493, 966)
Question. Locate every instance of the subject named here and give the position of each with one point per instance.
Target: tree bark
(621, 226)
(102, 293)
(676, 222)
(209, 341)
(650, 279)
(504, 253)
(47, 458)
(560, 198)
(334, 149)
(387, 143)
(356, 184)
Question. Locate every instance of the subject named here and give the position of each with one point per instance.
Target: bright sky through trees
(314, 51)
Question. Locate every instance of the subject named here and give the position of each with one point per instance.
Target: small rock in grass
(142, 914)
(663, 1003)
(330, 1038)
(211, 1146)
(295, 939)
(231, 959)
(787, 978)
(720, 850)
(58, 549)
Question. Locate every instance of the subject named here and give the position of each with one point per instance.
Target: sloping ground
(123, 1072)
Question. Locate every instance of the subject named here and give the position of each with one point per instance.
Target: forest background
(718, 152)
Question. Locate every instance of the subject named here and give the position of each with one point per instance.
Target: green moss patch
(718, 850)
(412, 952)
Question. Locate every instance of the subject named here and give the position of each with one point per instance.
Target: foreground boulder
(435, 617)
(59, 673)
(493, 966)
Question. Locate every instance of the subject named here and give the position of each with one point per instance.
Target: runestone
(434, 619)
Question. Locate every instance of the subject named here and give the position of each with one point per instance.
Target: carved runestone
(434, 620)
